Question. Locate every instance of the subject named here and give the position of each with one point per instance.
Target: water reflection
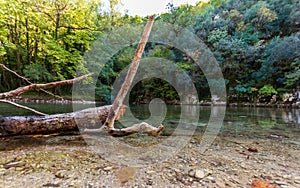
(170, 114)
(238, 120)
(275, 115)
(291, 116)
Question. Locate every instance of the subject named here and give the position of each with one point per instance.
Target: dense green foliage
(257, 44)
(44, 40)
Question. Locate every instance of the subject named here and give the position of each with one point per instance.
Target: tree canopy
(257, 43)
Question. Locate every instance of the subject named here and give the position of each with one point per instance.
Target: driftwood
(28, 81)
(87, 118)
(31, 87)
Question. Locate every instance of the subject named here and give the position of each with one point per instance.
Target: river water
(242, 121)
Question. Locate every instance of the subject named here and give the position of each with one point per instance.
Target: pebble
(287, 176)
(212, 179)
(177, 170)
(60, 174)
(297, 178)
(109, 168)
(220, 184)
(284, 186)
(191, 173)
(200, 174)
(150, 172)
(243, 166)
(280, 182)
(13, 164)
(187, 183)
(19, 168)
(297, 181)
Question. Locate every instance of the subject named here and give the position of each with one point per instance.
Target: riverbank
(231, 161)
(68, 100)
(51, 100)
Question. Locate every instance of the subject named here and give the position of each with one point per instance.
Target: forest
(95, 137)
(256, 43)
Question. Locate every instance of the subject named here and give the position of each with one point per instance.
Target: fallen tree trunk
(87, 118)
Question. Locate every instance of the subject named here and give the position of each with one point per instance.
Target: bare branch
(136, 128)
(21, 90)
(26, 80)
(46, 13)
(23, 107)
(16, 74)
(76, 28)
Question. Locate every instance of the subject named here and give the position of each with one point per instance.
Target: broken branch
(30, 87)
(26, 80)
(23, 107)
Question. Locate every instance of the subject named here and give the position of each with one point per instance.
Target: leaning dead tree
(88, 118)
(118, 102)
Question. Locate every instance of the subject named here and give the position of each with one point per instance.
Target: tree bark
(87, 118)
(118, 102)
(109, 124)
(30, 87)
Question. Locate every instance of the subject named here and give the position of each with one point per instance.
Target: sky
(149, 7)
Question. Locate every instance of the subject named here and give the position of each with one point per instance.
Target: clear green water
(242, 121)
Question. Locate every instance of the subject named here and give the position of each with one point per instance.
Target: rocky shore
(43, 100)
(231, 161)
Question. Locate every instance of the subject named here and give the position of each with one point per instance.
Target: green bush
(267, 90)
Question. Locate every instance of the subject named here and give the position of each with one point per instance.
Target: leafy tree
(255, 42)
(37, 73)
(278, 57)
(293, 77)
(51, 35)
(259, 15)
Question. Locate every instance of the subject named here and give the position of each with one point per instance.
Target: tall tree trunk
(27, 41)
(17, 43)
(36, 46)
(57, 20)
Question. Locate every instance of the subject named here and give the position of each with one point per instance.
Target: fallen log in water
(87, 118)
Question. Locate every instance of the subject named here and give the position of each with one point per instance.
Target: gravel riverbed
(231, 161)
